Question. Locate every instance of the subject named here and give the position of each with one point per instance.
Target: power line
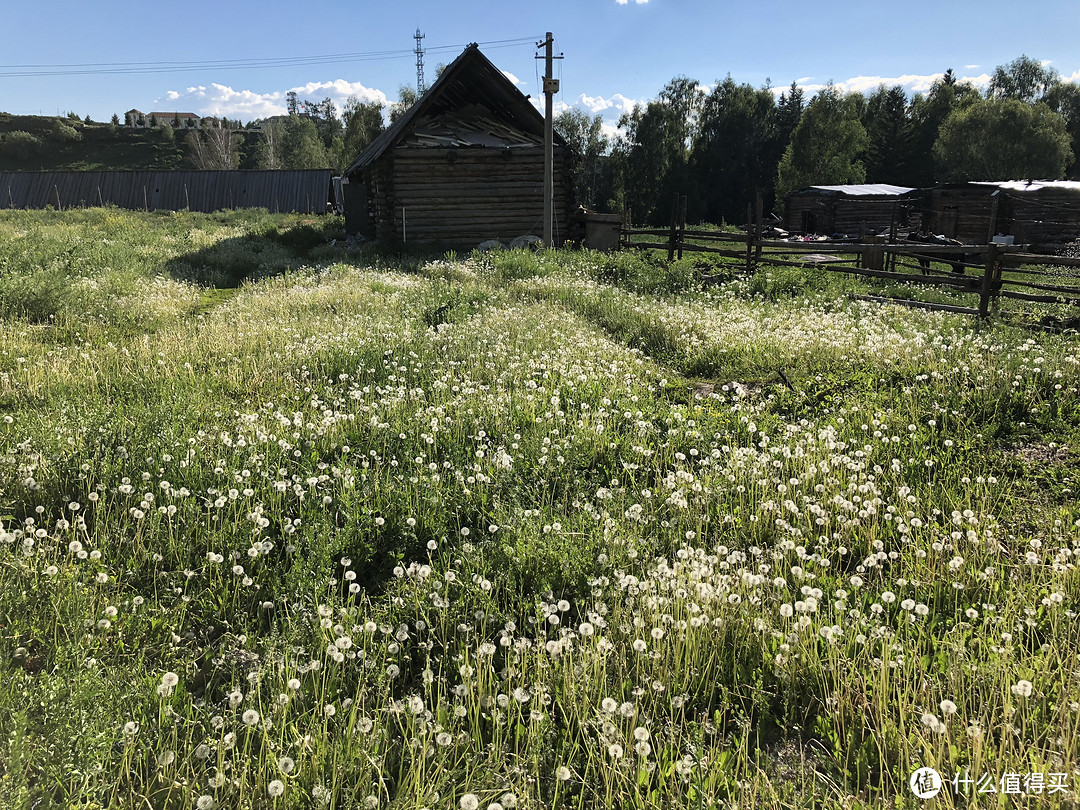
(113, 68)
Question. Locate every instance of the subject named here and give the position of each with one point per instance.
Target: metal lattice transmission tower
(420, 86)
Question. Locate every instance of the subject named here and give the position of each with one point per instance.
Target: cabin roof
(471, 104)
(1031, 185)
(861, 190)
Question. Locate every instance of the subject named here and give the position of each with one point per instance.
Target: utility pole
(420, 88)
(551, 87)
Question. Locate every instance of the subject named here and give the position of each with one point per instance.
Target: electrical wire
(112, 68)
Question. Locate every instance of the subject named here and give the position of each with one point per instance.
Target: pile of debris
(1070, 250)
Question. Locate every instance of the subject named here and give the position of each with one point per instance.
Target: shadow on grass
(258, 254)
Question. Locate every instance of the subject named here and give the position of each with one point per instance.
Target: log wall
(460, 197)
(834, 213)
(1045, 216)
(963, 213)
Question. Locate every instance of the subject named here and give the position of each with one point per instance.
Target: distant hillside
(48, 143)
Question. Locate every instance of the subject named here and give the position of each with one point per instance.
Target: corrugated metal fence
(305, 191)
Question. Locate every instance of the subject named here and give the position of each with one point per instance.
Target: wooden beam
(880, 299)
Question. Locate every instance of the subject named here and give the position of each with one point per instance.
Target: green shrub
(20, 145)
(39, 297)
(514, 265)
(776, 283)
(60, 132)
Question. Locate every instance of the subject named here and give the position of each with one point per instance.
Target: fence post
(995, 198)
(759, 227)
(988, 280)
(674, 235)
(749, 241)
(682, 223)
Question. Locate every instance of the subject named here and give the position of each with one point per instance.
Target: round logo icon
(925, 783)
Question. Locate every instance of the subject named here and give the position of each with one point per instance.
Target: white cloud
(340, 90)
(516, 81)
(611, 131)
(636, 2)
(222, 100)
(912, 83)
(618, 103)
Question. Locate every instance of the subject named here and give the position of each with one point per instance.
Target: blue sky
(616, 51)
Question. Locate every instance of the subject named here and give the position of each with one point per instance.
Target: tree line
(722, 147)
(311, 135)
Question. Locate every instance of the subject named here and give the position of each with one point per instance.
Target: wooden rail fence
(1052, 281)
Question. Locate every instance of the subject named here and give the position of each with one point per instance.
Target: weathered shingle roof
(472, 103)
(1031, 185)
(865, 190)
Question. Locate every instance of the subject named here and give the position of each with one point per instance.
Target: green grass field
(286, 526)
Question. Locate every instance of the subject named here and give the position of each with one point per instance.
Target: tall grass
(517, 532)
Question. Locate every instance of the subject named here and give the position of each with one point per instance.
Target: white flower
(251, 717)
(1022, 688)
(470, 801)
(932, 722)
(275, 788)
(168, 682)
(204, 802)
(608, 705)
(948, 707)
(562, 773)
(286, 764)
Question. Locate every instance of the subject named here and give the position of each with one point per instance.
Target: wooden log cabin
(463, 165)
(847, 210)
(1038, 213)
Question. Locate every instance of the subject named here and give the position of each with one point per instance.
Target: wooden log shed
(846, 210)
(463, 165)
(1033, 212)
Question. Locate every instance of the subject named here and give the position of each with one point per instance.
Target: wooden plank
(1039, 258)
(880, 299)
(1047, 287)
(690, 235)
(1040, 299)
